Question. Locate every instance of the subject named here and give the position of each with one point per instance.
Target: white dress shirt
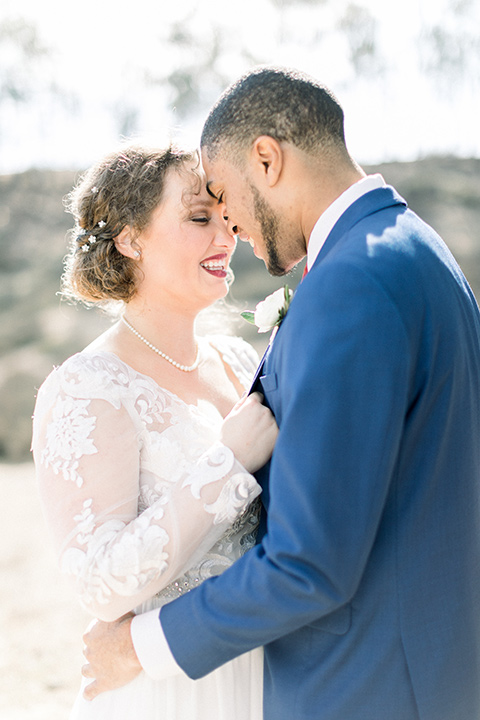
(148, 637)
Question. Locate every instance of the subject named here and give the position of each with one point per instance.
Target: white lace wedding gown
(144, 504)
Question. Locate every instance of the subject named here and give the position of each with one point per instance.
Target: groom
(365, 589)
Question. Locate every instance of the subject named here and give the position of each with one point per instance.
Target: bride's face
(185, 249)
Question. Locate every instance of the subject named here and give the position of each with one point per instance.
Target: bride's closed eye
(204, 219)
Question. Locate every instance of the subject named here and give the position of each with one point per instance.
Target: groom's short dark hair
(284, 104)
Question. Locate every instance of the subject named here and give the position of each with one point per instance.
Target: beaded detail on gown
(145, 503)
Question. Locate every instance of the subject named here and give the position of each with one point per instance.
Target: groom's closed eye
(212, 194)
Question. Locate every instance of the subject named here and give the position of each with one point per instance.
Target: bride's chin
(211, 298)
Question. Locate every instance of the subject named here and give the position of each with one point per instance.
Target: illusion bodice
(142, 498)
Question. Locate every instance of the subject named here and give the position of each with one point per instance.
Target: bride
(145, 470)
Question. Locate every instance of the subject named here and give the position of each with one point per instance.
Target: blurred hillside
(37, 330)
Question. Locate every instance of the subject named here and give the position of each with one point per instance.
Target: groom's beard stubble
(268, 222)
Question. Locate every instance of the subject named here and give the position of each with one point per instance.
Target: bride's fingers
(241, 399)
(256, 396)
(87, 671)
(91, 691)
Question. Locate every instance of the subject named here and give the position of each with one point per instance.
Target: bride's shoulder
(89, 373)
(235, 351)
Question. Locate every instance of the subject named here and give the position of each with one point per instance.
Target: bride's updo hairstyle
(124, 188)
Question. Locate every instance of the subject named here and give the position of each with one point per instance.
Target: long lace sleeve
(133, 482)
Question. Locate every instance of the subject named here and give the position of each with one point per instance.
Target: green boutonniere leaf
(249, 316)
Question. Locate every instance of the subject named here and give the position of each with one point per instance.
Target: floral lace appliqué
(68, 438)
(122, 568)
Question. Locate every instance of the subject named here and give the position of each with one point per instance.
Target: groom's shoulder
(383, 244)
(369, 265)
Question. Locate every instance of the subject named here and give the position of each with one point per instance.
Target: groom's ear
(267, 160)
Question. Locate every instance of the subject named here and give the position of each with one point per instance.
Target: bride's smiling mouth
(216, 265)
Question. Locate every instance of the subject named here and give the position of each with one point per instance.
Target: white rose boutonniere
(270, 312)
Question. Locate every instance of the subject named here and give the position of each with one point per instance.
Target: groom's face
(250, 216)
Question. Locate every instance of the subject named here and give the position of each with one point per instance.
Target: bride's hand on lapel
(250, 431)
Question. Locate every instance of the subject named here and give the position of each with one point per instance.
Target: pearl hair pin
(183, 368)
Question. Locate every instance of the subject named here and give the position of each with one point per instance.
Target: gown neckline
(155, 384)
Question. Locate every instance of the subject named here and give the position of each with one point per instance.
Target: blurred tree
(202, 61)
(450, 50)
(196, 65)
(360, 28)
(20, 52)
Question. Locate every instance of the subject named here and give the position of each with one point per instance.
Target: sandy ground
(41, 623)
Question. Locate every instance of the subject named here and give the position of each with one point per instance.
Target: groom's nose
(234, 230)
(231, 227)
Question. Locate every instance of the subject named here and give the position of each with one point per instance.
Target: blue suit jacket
(365, 589)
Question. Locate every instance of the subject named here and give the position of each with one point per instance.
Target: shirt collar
(332, 214)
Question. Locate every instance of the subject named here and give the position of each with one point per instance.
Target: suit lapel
(256, 384)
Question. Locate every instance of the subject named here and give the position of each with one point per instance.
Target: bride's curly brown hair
(123, 188)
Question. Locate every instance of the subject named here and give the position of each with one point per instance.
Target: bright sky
(102, 48)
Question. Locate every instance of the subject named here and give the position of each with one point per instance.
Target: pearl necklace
(183, 368)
